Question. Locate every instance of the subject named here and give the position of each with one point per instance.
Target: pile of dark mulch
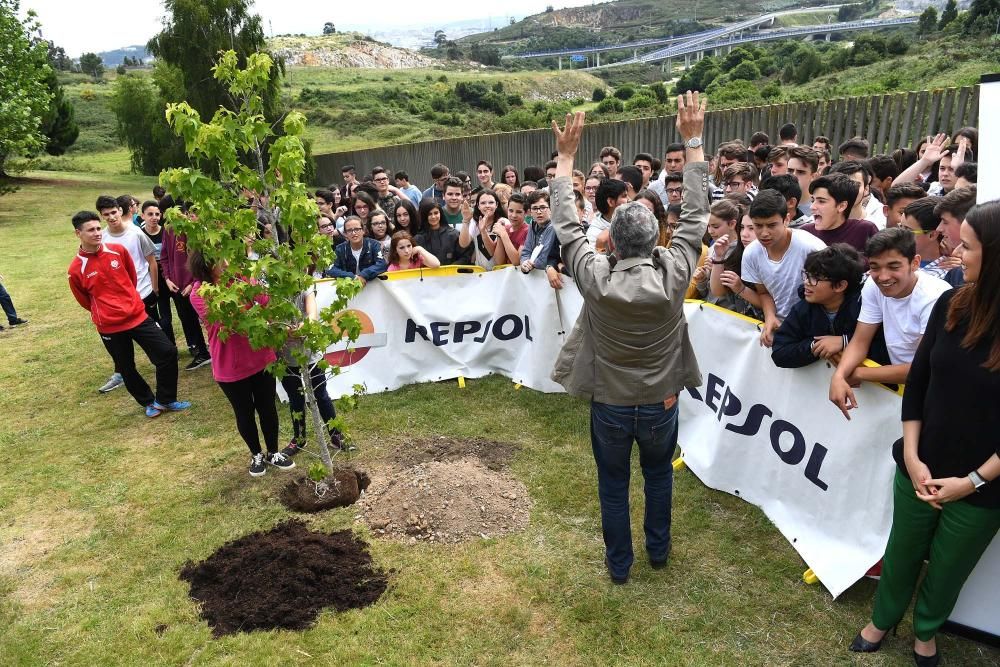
(494, 455)
(343, 488)
(283, 578)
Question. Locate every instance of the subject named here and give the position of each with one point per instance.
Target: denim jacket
(370, 265)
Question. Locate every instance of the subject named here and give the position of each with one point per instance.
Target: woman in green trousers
(946, 502)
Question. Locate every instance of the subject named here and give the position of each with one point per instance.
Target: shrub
(640, 101)
(660, 92)
(611, 105)
(624, 92)
(599, 94)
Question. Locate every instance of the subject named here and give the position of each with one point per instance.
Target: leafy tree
(58, 58)
(928, 21)
(898, 45)
(24, 97)
(735, 57)
(329, 28)
(982, 9)
(234, 142)
(849, 12)
(699, 76)
(58, 123)
(611, 105)
(599, 94)
(810, 65)
(949, 14)
(746, 70)
(138, 105)
(195, 32)
(91, 63)
(440, 38)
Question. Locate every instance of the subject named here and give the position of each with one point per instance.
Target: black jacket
(793, 339)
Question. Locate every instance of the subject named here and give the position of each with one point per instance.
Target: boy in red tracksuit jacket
(102, 277)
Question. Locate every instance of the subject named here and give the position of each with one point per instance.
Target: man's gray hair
(634, 231)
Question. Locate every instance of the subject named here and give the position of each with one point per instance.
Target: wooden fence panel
(887, 121)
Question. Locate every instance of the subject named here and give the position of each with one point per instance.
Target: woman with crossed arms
(946, 502)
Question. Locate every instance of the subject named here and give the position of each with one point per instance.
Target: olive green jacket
(630, 344)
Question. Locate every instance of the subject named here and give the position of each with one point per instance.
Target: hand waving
(935, 148)
(690, 114)
(568, 139)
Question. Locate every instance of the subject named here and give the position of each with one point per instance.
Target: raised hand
(720, 246)
(568, 139)
(690, 114)
(935, 149)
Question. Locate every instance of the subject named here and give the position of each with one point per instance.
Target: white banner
(425, 329)
(767, 435)
(771, 436)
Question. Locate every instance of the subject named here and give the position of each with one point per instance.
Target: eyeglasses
(812, 280)
(590, 188)
(734, 184)
(382, 179)
(675, 191)
(354, 230)
(539, 209)
(326, 226)
(378, 223)
(358, 207)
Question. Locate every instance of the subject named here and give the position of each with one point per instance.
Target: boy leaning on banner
(821, 325)
(897, 296)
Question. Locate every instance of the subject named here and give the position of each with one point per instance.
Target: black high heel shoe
(926, 660)
(862, 645)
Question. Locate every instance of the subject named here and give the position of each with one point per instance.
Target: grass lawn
(101, 507)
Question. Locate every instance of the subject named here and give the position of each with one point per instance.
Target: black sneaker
(293, 448)
(257, 467)
(198, 362)
(279, 460)
(18, 321)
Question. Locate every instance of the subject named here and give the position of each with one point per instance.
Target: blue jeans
(8, 305)
(613, 429)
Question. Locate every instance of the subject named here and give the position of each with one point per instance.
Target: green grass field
(101, 507)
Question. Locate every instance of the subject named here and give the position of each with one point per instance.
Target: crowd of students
(842, 255)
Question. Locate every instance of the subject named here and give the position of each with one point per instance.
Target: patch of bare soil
(446, 501)
(283, 578)
(494, 455)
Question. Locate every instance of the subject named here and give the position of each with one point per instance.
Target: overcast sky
(80, 26)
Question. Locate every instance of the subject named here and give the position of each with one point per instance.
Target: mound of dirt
(283, 578)
(446, 501)
(494, 455)
(341, 489)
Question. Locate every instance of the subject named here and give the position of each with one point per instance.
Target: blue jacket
(793, 339)
(545, 237)
(371, 263)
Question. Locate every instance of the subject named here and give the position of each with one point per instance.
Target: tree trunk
(320, 428)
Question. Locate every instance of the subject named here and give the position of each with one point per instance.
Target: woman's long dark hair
(201, 268)
(426, 206)
(979, 302)
(501, 212)
(416, 225)
(503, 176)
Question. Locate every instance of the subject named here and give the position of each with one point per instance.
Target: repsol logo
(787, 440)
(508, 327)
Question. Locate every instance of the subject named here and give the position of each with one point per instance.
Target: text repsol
(792, 453)
(507, 327)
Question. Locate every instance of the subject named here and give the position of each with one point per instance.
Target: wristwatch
(977, 480)
(694, 142)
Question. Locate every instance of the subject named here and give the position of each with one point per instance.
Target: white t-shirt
(903, 320)
(597, 225)
(139, 247)
(357, 258)
(782, 278)
(874, 213)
